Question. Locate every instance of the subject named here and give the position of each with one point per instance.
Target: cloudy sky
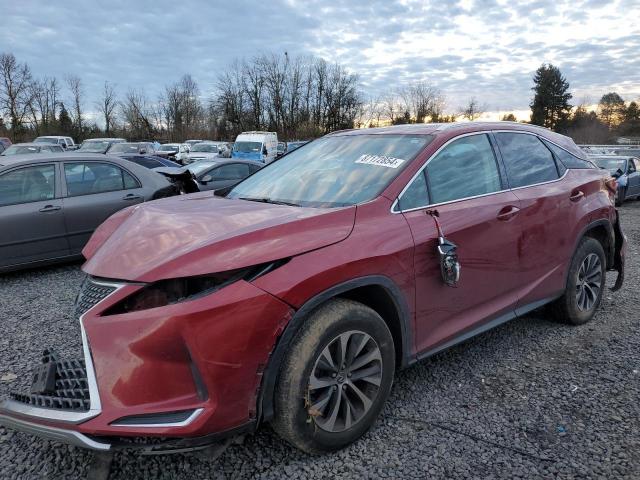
(488, 49)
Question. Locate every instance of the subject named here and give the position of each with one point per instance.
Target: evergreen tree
(550, 106)
(65, 123)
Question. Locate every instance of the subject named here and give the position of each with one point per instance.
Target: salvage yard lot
(531, 399)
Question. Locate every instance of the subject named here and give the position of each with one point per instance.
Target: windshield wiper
(269, 200)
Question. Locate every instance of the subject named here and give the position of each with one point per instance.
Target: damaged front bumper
(168, 379)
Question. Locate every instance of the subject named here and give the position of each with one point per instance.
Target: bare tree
(74, 83)
(181, 109)
(370, 113)
(15, 91)
(138, 115)
(230, 100)
(107, 107)
(473, 110)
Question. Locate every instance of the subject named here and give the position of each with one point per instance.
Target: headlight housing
(176, 290)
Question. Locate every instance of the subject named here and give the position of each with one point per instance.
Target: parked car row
(262, 147)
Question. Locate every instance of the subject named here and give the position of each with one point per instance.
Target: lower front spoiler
(70, 437)
(145, 445)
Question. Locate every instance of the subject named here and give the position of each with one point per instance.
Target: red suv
(295, 296)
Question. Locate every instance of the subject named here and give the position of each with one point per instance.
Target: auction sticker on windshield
(380, 160)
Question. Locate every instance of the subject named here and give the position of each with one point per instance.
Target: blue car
(150, 161)
(625, 170)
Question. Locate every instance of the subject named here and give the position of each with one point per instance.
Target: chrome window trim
(196, 413)
(95, 405)
(482, 132)
(587, 159)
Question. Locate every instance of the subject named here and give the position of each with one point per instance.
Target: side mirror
(143, 151)
(618, 173)
(206, 179)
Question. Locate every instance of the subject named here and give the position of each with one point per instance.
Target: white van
(257, 146)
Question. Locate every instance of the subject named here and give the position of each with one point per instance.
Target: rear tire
(586, 282)
(335, 378)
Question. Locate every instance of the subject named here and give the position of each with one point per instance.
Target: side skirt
(518, 312)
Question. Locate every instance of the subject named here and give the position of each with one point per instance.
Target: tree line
(299, 97)
(611, 118)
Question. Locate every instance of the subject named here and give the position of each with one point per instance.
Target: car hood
(200, 234)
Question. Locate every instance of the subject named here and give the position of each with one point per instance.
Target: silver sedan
(50, 204)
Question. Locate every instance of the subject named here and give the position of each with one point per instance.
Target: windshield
(205, 147)
(198, 167)
(20, 149)
(97, 146)
(611, 164)
(124, 148)
(247, 147)
(45, 140)
(333, 171)
(168, 148)
(293, 145)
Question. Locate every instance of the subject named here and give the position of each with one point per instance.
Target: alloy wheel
(589, 282)
(345, 381)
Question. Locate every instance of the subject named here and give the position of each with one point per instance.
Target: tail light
(612, 186)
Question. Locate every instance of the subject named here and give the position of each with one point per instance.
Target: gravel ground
(531, 399)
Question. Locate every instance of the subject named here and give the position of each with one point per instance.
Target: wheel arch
(602, 231)
(375, 291)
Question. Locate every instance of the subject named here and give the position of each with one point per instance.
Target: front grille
(71, 390)
(90, 294)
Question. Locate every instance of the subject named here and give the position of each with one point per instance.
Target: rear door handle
(508, 212)
(50, 208)
(576, 196)
(131, 196)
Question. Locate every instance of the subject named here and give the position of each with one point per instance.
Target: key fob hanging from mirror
(447, 254)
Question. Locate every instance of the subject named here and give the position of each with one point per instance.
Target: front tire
(335, 377)
(585, 284)
(621, 196)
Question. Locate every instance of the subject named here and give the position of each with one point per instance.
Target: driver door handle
(508, 212)
(131, 196)
(50, 208)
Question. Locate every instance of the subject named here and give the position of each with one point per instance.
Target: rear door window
(465, 168)
(94, 177)
(567, 159)
(527, 160)
(28, 184)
